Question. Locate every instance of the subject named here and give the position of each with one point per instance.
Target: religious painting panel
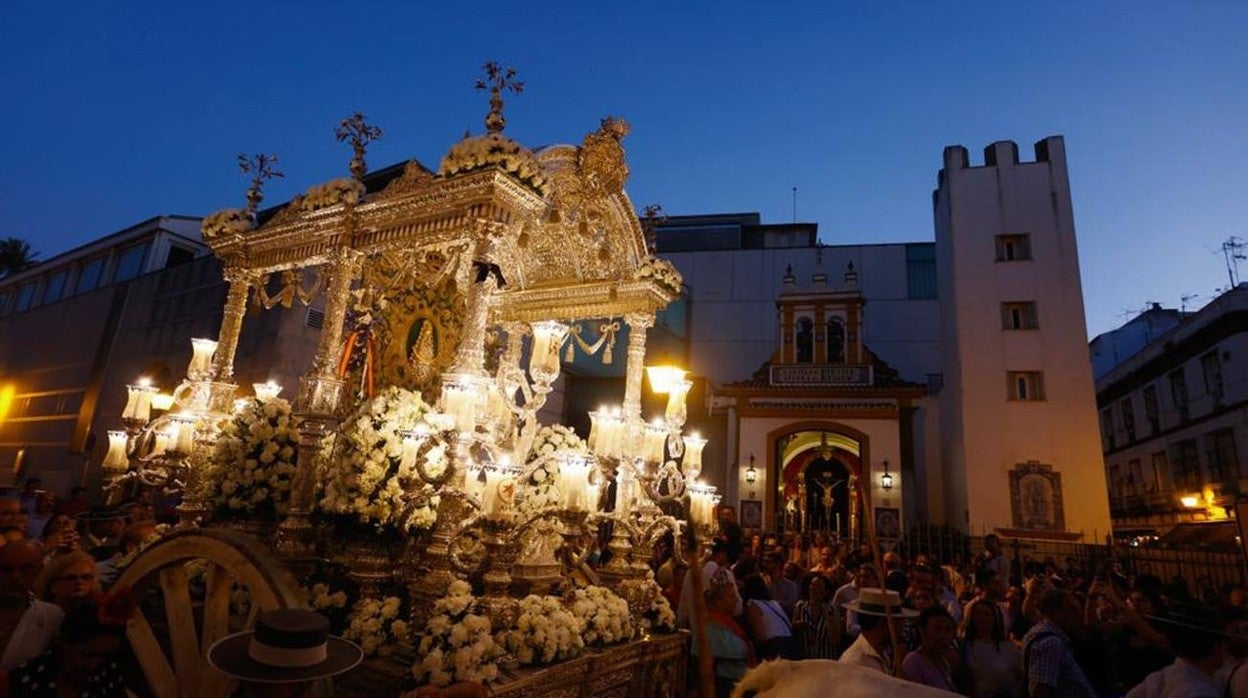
(1036, 497)
(887, 523)
(751, 514)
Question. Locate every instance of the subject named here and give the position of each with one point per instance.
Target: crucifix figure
(260, 167)
(356, 129)
(498, 79)
(826, 498)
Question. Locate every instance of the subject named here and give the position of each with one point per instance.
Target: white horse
(818, 678)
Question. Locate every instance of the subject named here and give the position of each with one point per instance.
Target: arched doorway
(816, 466)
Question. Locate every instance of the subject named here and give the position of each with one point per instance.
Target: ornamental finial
(360, 133)
(498, 79)
(260, 167)
(652, 217)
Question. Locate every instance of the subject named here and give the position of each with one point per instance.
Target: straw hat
(880, 602)
(287, 646)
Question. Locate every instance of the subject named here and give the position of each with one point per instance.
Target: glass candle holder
(202, 351)
(116, 460)
(548, 339)
(676, 411)
(267, 390)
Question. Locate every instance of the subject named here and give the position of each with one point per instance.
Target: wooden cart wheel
(172, 650)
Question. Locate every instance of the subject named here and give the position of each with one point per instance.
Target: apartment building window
(1222, 457)
(1186, 462)
(1135, 476)
(1150, 410)
(54, 288)
(1160, 467)
(1013, 248)
(1178, 393)
(130, 263)
(1107, 428)
(90, 274)
(1018, 315)
(921, 270)
(1115, 482)
(25, 297)
(1128, 419)
(1025, 385)
(1211, 368)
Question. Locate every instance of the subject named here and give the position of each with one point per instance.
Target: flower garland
(376, 625)
(370, 479)
(332, 193)
(229, 221)
(495, 149)
(254, 460)
(549, 442)
(604, 617)
(456, 644)
(661, 271)
(546, 631)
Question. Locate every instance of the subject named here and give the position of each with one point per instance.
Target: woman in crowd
(82, 661)
(988, 663)
(730, 647)
(767, 621)
(1138, 649)
(816, 621)
(931, 663)
(60, 534)
(920, 598)
(67, 578)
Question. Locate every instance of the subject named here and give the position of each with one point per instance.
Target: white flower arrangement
(550, 442)
(376, 625)
(320, 598)
(229, 221)
(659, 613)
(546, 631)
(254, 460)
(334, 192)
(661, 271)
(494, 149)
(604, 617)
(369, 479)
(457, 643)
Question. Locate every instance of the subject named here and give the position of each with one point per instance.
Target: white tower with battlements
(1020, 439)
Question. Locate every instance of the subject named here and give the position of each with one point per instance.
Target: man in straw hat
(877, 610)
(1197, 634)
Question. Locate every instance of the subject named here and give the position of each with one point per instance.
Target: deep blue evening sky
(119, 111)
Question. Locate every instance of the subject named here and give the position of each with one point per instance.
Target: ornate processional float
(410, 490)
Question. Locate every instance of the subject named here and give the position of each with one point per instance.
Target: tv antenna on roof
(1183, 302)
(1232, 252)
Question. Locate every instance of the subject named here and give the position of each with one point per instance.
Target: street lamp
(663, 378)
(751, 474)
(886, 480)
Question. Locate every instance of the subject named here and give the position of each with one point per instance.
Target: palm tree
(15, 255)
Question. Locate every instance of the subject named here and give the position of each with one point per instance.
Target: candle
(654, 441)
(161, 443)
(460, 402)
(676, 410)
(266, 390)
(184, 440)
(693, 454)
(116, 458)
(592, 492)
(200, 367)
(838, 522)
(548, 337)
(490, 502)
(573, 478)
(473, 486)
(594, 431)
(623, 493)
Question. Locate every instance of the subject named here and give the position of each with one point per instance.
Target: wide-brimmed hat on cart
(288, 646)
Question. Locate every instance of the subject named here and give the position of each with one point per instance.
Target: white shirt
(862, 653)
(34, 632)
(1179, 680)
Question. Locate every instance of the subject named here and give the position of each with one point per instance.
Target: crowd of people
(978, 627)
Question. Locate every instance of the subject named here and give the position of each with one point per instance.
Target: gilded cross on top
(497, 80)
(260, 167)
(360, 133)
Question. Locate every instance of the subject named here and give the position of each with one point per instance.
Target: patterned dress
(815, 631)
(37, 679)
